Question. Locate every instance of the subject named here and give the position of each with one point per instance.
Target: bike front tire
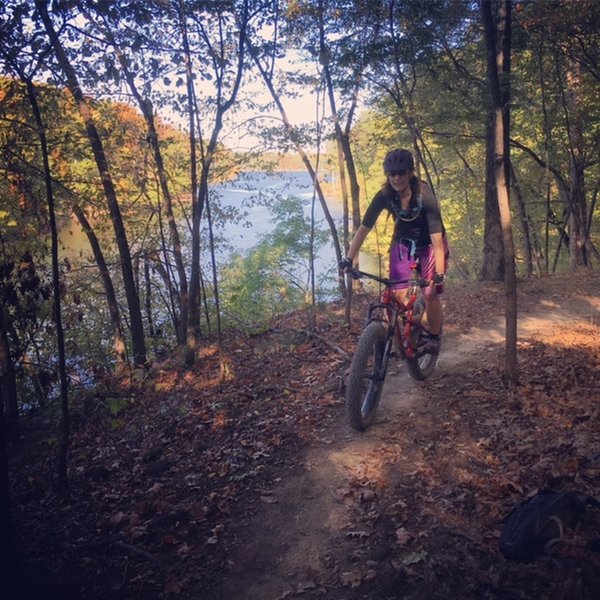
(366, 377)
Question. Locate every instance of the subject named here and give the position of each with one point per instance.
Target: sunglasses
(398, 173)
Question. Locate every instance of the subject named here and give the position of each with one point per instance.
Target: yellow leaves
(6, 219)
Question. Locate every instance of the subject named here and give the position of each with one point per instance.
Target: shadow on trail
(413, 507)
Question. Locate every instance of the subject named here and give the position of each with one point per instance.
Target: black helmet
(398, 160)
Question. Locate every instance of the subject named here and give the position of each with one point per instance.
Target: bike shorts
(403, 255)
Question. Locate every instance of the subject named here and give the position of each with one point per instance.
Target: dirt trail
(298, 541)
(255, 488)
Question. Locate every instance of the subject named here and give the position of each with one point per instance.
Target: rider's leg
(434, 314)
(400, 268)
(433, 319)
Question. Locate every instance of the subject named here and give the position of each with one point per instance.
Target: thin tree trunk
(305, 160)
(579, 245)
(145, 106)
(498, 69)
(493, 260)
(345, 156)
(182, 293)
(8, 382)
(12, 581)
(200, 201)
(345, 160)
(133, 301)
(63, 448)
(530, 245)
(173, 293)
(109, 291)
(547, 135)
(193, 324)
(148, 296)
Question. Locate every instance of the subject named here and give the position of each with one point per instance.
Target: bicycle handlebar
(358, 274)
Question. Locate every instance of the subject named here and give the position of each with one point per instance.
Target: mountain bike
(393, 326)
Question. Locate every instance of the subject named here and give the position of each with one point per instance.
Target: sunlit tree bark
(497, 18)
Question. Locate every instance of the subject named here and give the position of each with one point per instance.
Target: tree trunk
(193, 324)
(148, 296)
(497, 35)
(345, 158)
(8, 382)
(12, 581)
(63, 448)
(579, 242)
(133, 301)
(145, 106)
(222, 79)
(531, 247)
(182, 295)
(492, 264)
(305, 159)
(111, 298)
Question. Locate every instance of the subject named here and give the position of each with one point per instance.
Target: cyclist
(419, 233)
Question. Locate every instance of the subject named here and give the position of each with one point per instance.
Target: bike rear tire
(420, 368)
(366, 376)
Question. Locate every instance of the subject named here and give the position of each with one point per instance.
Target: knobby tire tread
(371, 343)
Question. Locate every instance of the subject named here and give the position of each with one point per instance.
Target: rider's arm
(373, 211)
(436, 230)
(439, 252)
(357, 241)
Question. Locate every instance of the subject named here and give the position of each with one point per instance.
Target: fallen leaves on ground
(161, 476)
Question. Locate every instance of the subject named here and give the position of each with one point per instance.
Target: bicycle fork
(385, 360)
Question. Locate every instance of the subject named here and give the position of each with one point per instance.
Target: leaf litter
(162, 501)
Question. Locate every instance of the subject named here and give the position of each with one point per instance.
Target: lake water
(250, 197)
(254, 195)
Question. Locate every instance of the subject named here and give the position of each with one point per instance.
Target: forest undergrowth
(169, 479)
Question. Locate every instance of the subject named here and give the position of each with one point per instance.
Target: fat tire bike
(392, 326)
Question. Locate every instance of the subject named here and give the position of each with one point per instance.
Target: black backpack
(534, 526)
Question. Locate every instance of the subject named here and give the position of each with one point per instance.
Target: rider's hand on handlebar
(345, 265)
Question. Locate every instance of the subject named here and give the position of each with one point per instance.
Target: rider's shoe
(431, 345)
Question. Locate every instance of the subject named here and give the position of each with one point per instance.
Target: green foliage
(25, 314)
(424, 64)
(274, 276)
(117, 405)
